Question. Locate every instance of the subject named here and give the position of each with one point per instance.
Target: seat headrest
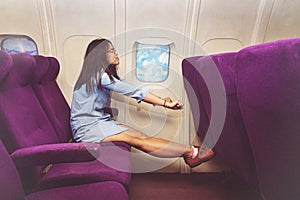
(21, 72)
(41, 68)
(46, 69)
(53, 69)
(5, 64)
(23, 65)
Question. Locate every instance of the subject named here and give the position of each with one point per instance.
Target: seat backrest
(203, 79)
(11, 186)
(6, 64)
(51, 97)
(23, 121)
(268, 89)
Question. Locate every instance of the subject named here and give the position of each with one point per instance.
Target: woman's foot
(204, 154)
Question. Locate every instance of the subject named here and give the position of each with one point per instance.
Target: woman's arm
(166, 102)
(140, 94)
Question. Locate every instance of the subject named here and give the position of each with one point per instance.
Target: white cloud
(148, 62)
(140, 57)
(155, 73)
(164, 58)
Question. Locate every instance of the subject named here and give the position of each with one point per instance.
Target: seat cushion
(112, 165)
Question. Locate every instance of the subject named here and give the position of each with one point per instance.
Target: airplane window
(19, 45)
(152, 62)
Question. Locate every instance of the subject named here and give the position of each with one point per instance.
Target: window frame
(136, 45)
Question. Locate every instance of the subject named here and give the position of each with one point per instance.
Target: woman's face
(111, 55)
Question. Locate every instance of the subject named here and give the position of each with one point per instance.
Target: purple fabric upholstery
(22, 126)
(6, 65)
(233, 145)
(11, 186)
(55, 106)
(268, 87)
(30, 130)
(55, 153)
(105, 169)
(261, 129)
(194, 83)
(10, 183)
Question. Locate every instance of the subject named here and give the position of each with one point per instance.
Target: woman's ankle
(189, 152)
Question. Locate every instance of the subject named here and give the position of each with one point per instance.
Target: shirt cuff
(140, 95)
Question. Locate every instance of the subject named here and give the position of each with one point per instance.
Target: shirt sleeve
(124, 87)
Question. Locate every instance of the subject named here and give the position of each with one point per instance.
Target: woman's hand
(166, 102)
(168, 99)
(175, 105)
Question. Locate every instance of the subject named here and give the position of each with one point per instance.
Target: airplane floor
(196, 186)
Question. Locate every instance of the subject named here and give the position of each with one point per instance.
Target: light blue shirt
(89, 122)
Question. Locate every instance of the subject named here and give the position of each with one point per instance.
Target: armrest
(55, 153)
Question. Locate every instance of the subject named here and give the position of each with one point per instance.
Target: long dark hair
(94, 64)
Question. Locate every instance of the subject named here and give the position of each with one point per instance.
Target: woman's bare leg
(154, 146)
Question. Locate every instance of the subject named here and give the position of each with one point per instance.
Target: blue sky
(152, 62)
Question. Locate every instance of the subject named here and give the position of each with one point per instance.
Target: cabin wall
(213, 26)
(194, 27)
